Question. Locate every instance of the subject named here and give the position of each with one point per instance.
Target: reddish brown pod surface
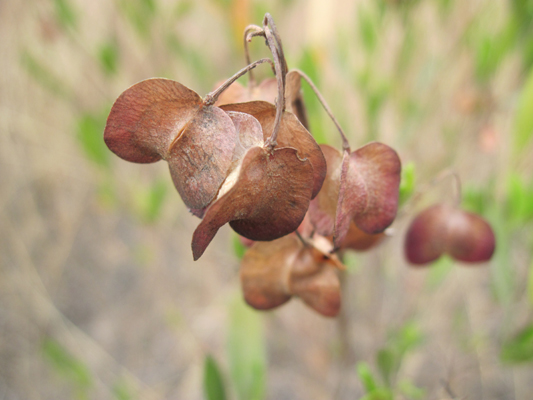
(162, 119)
(273, 272)
(445, 229)
(362, 187)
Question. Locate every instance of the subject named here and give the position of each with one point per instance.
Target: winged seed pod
(445, 229)
(362, 186)
(162, 119)
(273, 272)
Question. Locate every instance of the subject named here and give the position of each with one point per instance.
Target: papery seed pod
(162, 119)
(272, 272)
(358, 240)
(362, 187)
(291, 134)
(445, 229)
(267, 200)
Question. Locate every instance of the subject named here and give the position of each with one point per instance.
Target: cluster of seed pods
(244, 156)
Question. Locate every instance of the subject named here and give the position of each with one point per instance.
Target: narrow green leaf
(43, 75)
(407, 183)
(246, 350)
(519, 349)
(367, 378)
(90, 136)
(213, 382)
(388, 363)
(108, 56)
(238, 247)
(68, 366)
(523, 120)
(65, 13)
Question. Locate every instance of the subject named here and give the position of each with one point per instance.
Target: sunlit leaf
(213, 383)
(519, 349)
(246, 351)
(523, 121)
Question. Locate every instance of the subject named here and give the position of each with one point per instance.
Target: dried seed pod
(291, 134)
(267, 200)
(272, 272)
(445, 229)
(358, 240)
(162, 119)
(362, 187)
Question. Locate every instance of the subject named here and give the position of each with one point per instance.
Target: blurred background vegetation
(99, 297)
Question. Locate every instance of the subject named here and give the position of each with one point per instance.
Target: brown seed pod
(272, 272)
(445, 229)
(291, 134)
(268, 199)
(162, 119)
(358, 240)
(362, 187)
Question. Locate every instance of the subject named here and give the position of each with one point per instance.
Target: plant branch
(345, 143)
(212, 97)
(249, 32)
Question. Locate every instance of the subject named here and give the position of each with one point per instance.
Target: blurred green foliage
(68, 367)
(213, 383)
(246, 351)
(519, 349)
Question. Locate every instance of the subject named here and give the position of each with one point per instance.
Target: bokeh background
(99, 296)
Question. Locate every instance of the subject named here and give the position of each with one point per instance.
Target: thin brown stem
(345, 143)
(273, 44)
(212, 97)
(249, 32)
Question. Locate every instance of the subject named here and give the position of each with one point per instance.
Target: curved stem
(249, 32)
(345, 144)
(280, 65)
(212, 97)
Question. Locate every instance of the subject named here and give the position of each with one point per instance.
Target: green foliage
(43, 75)
(407, 183)
(140, 14)
(108, 56)
(400, 342)
(238, 247)
(519, 349)
(68, 367)
(368, 29)
(439, 271)
(213, 382)
(90, 136)
(246, 350)
(65, 13)
(122, 391)
(149, 200)
(523, 120)
(373, 390)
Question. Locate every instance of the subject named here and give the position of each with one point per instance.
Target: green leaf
(122, 390)
(388, 363)
(366, 377)
(65, 13)
(530, 283)
(43, 75)
(368, 29)
(108, 56)
(519, 349)
(523, 120)
(91, 138)
(213, 382)
(407, 183)
(411, 391)
(238, 247)
(68, 367)
(149, 201)
(246, 350)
